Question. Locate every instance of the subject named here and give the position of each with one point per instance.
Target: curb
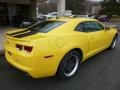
(1, 52)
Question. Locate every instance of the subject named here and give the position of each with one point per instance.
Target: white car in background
(55, 14)
(51, 15)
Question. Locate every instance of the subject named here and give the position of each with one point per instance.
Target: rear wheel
(69, 65)
(113, 44)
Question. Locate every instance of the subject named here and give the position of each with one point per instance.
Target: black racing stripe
(26, 34)
(18, 32)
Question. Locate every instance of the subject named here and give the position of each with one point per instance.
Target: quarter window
(46, 26)
(90, 26)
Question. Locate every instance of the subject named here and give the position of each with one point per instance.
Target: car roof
(67, 19)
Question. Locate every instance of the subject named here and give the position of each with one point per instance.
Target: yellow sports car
(57, 46)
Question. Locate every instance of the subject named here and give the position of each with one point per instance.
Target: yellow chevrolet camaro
(57, 46)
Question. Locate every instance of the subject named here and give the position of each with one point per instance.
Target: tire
(69, 65)
(113, 44)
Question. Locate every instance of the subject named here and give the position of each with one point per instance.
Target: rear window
(46, 26)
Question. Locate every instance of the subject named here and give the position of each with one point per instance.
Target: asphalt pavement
(101, 72)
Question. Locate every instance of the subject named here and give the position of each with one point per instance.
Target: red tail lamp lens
(28, 48)
(19, 46)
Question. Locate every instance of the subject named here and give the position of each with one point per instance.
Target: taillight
(19, 47)
(25, 48)
(28, 48)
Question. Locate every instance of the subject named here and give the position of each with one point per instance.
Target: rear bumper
(34, 67)
(17, 65)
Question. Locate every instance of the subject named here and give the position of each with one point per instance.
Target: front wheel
(113, 44)
(69, 65)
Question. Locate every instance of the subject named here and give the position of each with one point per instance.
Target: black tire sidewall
(60, 72)
(111, 45)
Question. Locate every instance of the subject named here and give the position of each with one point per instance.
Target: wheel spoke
(71, 65)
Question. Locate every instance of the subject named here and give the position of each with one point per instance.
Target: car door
(96, 36)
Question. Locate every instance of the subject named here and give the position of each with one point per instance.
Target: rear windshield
(46, 26)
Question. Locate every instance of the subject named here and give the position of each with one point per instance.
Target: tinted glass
(80, 27)
(46, 26)
(92, 26)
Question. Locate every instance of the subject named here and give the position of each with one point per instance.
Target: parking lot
(101, 72)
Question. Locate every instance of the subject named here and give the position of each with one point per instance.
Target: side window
(80, 27)
(98, 26)
(92, 26)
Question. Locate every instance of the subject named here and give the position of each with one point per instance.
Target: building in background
(9, 9)
(12, 8)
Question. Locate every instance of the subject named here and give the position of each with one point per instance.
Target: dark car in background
(21, 22)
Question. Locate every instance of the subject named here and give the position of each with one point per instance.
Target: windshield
(46, 26)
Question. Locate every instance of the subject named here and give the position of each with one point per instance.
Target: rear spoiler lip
(17, 39)
(18, 32)
(25, 39)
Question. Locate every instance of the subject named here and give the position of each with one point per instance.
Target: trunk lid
(22, 37)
